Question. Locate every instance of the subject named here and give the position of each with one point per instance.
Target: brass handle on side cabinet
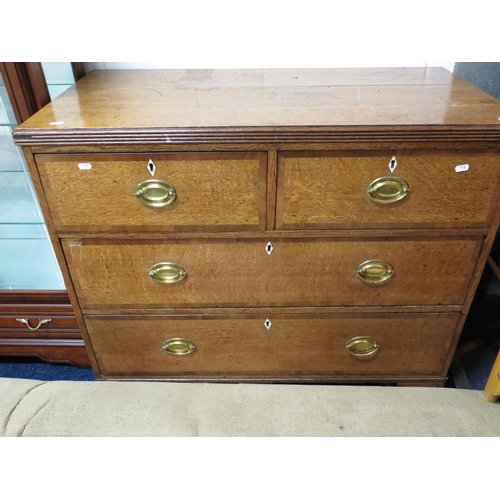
(167, 273)
(40, 323)
(155, 193)
(387, 190)
(179, 347)
(362, 346)
(375, 271)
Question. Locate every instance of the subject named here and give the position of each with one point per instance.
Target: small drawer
(30, 323)
(258, 273)
(356, 190)
(156, 192)
(276, 346)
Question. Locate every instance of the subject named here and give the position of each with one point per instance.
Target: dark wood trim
(163, 147)
(43, 342)
(38, 84)
(33, 297)
(68, 353)
(250, 135)
(310, 379)
(78, 70)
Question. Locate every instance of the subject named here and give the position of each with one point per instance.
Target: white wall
(202, 34)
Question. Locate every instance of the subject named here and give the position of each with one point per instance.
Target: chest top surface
(265, 104)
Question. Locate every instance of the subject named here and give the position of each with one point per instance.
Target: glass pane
(18, 203)
(27, 259)
(58, 73)
(57, 90)
(29, 264)
(59, 77)
(6, 113)
(11, 159)
(23, 231)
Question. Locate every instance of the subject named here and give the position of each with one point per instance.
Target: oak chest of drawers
(270, 225)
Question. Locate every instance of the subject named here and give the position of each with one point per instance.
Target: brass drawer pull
(179, 347)
(362, 346)
(167, 273)
(386, 190)
(155, 193)
(375, 271)
(40, 323)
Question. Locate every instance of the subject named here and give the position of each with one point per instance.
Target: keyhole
(267, 324)
(269, 248)
(151, 167)
(393, 164)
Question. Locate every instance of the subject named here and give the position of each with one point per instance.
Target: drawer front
(30, 323)
(188, 192)
(19, 328)
(330, 190)
(225, 346)
(297, 273)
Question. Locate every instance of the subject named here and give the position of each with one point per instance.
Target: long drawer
(257, 273)
(358, 190)
(272, 346)
(156, 192)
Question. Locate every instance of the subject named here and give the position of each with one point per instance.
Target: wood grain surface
(250, 105)
(410, 345)
(215, 192)
(297, 273)
(329, 190)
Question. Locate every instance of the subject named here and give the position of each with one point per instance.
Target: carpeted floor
(31, 368)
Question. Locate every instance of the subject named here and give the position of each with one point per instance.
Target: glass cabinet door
(59, 77)
(27, 259)
(31, 284)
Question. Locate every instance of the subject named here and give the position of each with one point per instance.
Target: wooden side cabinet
(36, 317)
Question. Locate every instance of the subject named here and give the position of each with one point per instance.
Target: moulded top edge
(230, 100)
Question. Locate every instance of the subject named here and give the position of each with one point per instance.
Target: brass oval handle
(362, 346)
(387, 190)
(167, 273)
(40, 323)
(179, 347)
(375, 271)
(155, 193)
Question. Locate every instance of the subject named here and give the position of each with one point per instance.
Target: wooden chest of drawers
(272, 225)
